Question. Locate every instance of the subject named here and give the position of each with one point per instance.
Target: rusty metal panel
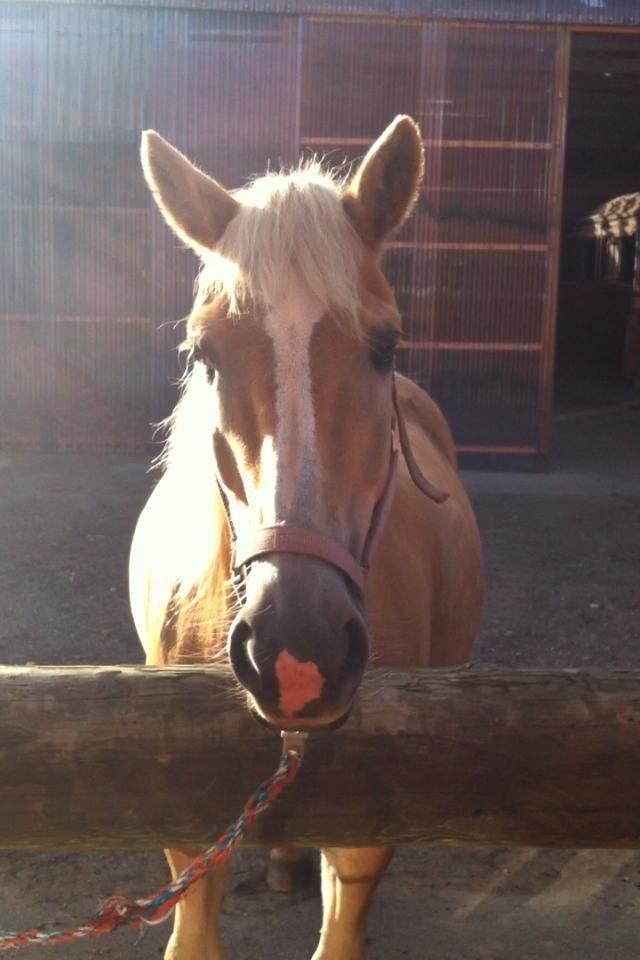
(379, 64)
(228, 97)
(92, 283)
(484, 250)
(99, 262)
(472, 268)
(100, 382)
(356, 76)
(483, 192)
(93, 276)
(475, 296)
(24, 40)
(99, 65)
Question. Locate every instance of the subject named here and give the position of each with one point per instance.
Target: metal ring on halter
(294, 740)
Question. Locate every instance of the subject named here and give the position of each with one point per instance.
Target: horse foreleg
(195, 927)
(349, 879)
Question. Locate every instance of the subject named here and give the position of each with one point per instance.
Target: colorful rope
(119, 911)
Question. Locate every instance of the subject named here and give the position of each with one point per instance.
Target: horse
(310, 518)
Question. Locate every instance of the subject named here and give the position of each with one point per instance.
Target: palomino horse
(280, 468)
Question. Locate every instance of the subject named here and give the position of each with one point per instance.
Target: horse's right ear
(196, 207)
(385, 187)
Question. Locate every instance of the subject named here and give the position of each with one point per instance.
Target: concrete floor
(563, 556)
(595, 450)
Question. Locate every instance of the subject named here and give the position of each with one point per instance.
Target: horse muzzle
(299, 645)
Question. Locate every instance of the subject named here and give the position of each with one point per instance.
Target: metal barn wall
(92, 282)
(475, 268)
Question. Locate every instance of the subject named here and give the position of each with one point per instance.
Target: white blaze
(290, 325)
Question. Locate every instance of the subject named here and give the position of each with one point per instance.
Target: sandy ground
(563, 555)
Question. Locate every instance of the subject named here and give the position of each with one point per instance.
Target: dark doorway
(597, 374)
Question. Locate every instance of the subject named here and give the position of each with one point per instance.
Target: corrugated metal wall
(484, 294)
(474, 269)
(92, 281)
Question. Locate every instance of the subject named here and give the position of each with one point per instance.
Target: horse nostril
(313, 664)
(241, 642)
(357, 649)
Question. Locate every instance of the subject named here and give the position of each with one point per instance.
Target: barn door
(485, 251)
(475, 269)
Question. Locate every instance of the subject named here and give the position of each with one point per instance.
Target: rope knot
(114, 912)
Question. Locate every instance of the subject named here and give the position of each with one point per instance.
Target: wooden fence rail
(134, 756)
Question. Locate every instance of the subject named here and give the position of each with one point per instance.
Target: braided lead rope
(120, 911)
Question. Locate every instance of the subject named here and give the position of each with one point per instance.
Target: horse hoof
(290, 871)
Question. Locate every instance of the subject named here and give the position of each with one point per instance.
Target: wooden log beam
(133, 756)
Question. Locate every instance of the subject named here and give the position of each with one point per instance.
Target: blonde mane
(289, 225)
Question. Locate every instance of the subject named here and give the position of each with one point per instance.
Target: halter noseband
(291, 538)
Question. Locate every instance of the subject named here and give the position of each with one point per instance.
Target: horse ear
(384, 190)
(196, 207)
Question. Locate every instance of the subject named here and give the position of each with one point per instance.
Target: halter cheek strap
(422, 483)
(290, 538)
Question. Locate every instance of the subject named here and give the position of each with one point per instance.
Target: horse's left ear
(385, 188)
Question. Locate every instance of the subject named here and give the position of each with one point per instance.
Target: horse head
(293, 335)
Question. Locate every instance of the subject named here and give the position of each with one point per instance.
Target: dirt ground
(562, 556)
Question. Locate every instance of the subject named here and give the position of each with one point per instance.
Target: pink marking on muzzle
(299, 683)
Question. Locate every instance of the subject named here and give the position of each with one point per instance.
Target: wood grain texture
(146, 757)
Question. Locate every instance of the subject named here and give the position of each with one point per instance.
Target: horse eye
(383, 350)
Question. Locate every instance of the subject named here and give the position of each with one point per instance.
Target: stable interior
(597, 368)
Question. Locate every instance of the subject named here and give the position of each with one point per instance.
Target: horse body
(285, 423)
